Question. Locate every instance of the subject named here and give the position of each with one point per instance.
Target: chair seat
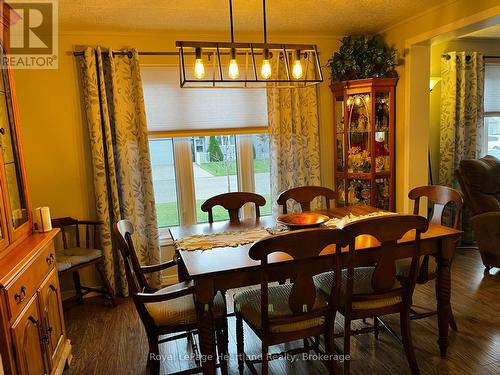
(181, 310)
(74, 256)
(247, 304)
(403, 266)
(362, 285)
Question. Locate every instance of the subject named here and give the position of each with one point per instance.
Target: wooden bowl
(302, 220)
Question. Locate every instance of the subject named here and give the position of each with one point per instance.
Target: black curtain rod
(484, 57)
(129, 53)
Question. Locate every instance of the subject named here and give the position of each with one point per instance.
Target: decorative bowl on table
(302, 220)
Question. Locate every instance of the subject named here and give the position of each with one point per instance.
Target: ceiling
(492, 32)
(323, 17)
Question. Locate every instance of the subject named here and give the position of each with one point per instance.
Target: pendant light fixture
(250, 65)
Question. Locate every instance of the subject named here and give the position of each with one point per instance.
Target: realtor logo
(32, 36)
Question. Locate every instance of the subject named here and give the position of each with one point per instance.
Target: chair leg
(105, 281)
(78, 285)
(407, 342)
(153, 357)
(376, 326)
(240, 344)
(347, 345)
(330, 352)
(265, 359)
(222, 347)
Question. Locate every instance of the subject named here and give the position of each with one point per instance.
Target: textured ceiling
(489, 32)
(329, 17)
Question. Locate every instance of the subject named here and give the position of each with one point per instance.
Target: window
(204, 142)
(492, 109)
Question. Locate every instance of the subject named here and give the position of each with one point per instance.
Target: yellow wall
(423, 28)
(488, 47)
(54, 131)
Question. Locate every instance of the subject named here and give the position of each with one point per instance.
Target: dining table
(223, 268)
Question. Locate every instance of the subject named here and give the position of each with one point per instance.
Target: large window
(201, 145)
(492, 109)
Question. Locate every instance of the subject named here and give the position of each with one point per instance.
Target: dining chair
(440, 197)
(76, 255)
(233, 202)
(297, 310)
(169, 310)
(375, 291)
(304, 195)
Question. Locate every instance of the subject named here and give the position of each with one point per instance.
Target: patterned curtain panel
(114, 108)
(294, 139)
(461, 127)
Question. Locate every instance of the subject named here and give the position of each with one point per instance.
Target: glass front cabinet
(364, 142)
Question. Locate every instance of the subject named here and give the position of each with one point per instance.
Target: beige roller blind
(170, 108)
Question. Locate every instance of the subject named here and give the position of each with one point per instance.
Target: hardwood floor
(113, 341)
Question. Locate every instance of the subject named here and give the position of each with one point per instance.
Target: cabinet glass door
(18, 214)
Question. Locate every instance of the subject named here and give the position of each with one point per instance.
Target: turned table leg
(206, 328)
(443, 291)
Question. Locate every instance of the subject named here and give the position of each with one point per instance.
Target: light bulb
(357, 100)
(297, 67)
(266, 69)
(199, 68)
(234, 71)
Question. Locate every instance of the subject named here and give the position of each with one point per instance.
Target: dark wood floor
(113, 341)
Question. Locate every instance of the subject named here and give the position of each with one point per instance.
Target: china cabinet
(32, 331)
(364, 142)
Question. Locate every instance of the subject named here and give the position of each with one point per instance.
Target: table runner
(242, 237)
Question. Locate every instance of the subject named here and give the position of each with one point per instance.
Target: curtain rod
(154, 53)
(484, 57)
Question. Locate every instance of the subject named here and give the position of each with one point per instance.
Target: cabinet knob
(2, 131)
(21, 296)
(50, 259)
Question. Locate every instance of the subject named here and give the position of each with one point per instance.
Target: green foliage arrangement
(362, 56)
(214, 150)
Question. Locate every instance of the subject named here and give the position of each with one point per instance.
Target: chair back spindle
(233, 202)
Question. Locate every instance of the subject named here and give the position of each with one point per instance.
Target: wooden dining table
(225, 268)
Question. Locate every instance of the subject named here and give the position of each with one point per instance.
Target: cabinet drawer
(28, 281)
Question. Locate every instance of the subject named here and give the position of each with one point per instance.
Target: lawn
(218, 168)
(167, 212)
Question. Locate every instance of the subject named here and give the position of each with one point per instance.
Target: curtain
(114, 107)
(461, 125)
(293, 138)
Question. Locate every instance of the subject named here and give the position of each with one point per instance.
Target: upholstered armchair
(480, 182)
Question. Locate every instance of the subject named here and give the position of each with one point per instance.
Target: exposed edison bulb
(199, 68)
(234, 71)
(265, 71)
(297, 67)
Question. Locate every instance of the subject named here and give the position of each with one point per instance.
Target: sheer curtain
(114, 107)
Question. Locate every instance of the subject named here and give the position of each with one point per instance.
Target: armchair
(480, 183)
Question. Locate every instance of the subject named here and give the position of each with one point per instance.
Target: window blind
(492, 87)
(170, 108)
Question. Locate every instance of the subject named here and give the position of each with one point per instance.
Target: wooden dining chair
(77, 255)
(167, 311)
(304, 195)
(440, 197)
(233, 202)
(375, 291)
(283, 313)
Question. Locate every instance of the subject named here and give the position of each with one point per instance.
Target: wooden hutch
(364, 142)
(32, 331)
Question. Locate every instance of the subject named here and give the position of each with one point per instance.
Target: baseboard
(70, 293)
